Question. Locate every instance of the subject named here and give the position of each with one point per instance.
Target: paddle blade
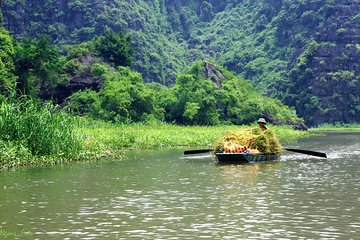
(313, 153)
(197, 151)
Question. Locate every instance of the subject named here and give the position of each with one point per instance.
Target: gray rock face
(330, 86)
(213, 73)
(78, 81)
(62, 92)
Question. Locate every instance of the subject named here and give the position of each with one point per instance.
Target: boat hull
(245, 158)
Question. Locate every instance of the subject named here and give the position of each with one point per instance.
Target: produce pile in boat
(249, 140)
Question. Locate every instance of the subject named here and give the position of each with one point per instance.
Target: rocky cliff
(325, 79)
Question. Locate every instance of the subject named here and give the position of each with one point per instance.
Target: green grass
(100, 135)
(141, 136)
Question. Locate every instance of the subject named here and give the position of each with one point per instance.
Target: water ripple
(162, 196)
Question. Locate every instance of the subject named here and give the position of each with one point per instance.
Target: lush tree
(7, 79)
(115, 48)
(38, 62)
(201, 101)
(125, 97)
(84, 102)
(196, 101)
(165, 100)
(193, 100)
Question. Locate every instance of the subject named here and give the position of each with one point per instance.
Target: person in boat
(262, 124)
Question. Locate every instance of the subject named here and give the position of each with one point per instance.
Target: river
(165, 195)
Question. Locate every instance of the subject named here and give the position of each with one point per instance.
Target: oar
(317, 154)
(308, 152)
(197, 151)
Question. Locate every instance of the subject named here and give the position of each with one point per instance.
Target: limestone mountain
(303, 52)
(324, 82)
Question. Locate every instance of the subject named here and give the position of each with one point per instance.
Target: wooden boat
(245, 157)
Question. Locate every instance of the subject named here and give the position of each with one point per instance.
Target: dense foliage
(256, 38)
(159, 55)
(123, 96)
(265, 41)
(37, 62)
(193, 99)
(115, 48)
(7, 78)
(40, 68)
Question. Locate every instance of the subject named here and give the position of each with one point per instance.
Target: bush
(82, 102)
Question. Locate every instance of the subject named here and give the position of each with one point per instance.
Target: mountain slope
(304, 52)
(324, 82)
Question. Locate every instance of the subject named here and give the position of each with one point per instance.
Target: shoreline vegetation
(50, 137)
(102, 135)
(33, 136)
(15, 235)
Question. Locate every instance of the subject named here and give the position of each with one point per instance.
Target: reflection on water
(163, 195)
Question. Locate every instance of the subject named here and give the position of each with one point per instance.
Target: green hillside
(94, 79)
(304, 52)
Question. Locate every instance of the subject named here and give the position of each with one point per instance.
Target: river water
(165, 195)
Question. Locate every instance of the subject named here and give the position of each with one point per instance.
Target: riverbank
(101, 139)
(337, 127)
(105, 136)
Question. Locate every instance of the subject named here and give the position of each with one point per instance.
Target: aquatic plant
(30, 130)
(14, 235)
(145, 136)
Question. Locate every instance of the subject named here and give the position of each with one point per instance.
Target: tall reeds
(29, 131)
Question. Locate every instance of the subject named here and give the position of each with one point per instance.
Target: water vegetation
(15, 235)
(32, 133)
(104, 135)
